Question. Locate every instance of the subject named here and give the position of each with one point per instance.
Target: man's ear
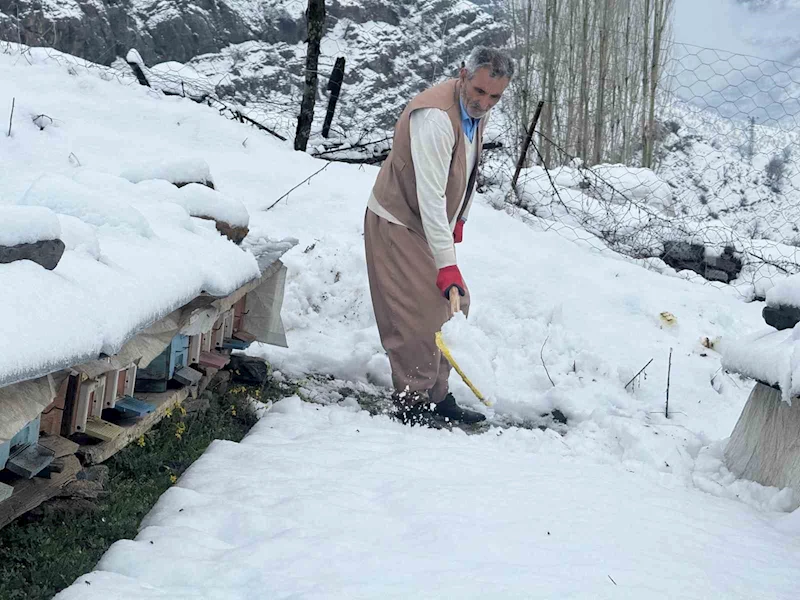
(463, 75)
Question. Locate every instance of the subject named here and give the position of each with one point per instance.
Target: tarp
(764, 444)
(263, 315)
(22, 402)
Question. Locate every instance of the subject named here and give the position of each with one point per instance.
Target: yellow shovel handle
(449, 356)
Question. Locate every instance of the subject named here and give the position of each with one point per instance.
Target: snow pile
(772, 357)
(638, 184)
(178, 79)
(201, 201)
(474, 352)
(27, 224)
(785, 293)
(191, 170)
(66, 197)
(79, 236)
(511, 514)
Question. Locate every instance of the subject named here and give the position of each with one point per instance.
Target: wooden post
(334, 87)
(315, 16)
(140, 76)
(526, 145)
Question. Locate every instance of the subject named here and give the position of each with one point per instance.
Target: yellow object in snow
(668, 318)
(449, 356)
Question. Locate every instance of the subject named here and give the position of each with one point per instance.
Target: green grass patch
(40, 557)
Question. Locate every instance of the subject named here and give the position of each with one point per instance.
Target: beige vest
(396, 186)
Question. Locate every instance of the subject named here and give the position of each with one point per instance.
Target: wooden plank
(134, 407)
(244, 336)
(99, 453)
(102, 430)
(60, 446)
(30, 493)
(233, 344)
(213, 360)
(5, 491)
(188, 376)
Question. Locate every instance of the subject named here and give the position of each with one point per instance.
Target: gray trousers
(409, 308)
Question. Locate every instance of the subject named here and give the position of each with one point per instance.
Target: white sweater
(432, 141)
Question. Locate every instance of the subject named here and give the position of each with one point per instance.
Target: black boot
(412, 408)
(448, 409)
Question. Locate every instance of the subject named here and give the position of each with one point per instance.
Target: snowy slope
(624, 491)
(392, 51)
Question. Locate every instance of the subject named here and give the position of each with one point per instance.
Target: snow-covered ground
(328, 501)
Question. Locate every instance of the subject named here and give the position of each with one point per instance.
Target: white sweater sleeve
(432, 142)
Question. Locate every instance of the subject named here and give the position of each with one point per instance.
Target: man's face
(482, 92)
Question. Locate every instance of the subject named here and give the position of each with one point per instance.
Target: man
(416, 213)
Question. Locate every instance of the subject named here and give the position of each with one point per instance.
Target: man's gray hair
(498, 62)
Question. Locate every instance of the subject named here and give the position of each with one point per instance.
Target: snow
(194, 169)
(64, 196)
(133, 57)
(785, 293)
(177, 78)
(558, 321)
(133, 252)
(201, 201)
(769, 356)
(326, 502)
(638, 184)
(26, 225)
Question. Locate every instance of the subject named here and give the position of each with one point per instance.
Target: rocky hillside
(101, 30)
(252, 53)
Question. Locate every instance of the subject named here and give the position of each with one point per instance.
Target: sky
(728, 25)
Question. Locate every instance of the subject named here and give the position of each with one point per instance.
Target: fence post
(335, 88)
(526, 145)
(315, 16)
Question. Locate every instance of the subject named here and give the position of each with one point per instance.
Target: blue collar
(468, 123)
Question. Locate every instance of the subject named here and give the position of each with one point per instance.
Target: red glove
(458, 234)
(450, 277)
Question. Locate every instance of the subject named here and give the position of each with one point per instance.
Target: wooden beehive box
(156, 376)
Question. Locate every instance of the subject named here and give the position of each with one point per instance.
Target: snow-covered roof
(132, 256)
(767, 356)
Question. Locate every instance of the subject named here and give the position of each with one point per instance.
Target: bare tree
(663, 9)
(315, 17)
(598, 66)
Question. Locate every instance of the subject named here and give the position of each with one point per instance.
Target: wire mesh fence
(721, 200)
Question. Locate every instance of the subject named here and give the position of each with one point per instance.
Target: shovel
(455, 306)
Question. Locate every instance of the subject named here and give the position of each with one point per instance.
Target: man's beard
(473, 108)
(475, 111)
